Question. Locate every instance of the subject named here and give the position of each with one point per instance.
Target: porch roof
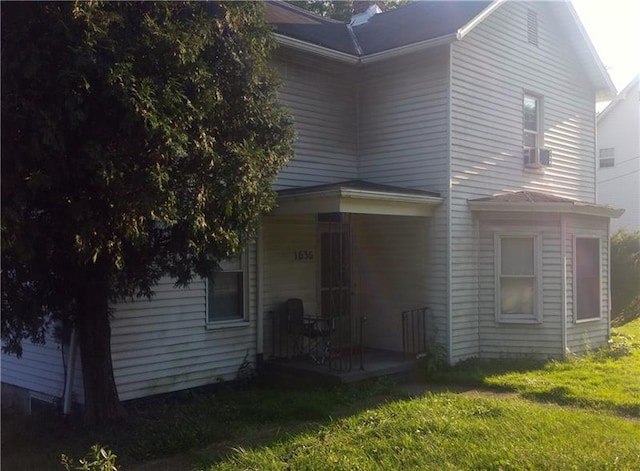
(358, 197)
(538, 202)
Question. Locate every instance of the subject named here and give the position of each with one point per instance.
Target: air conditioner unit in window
(536, 157)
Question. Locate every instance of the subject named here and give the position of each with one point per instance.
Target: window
(607, 157)
(587, 278)
(517, 280)
(226, 292)
(534, 154)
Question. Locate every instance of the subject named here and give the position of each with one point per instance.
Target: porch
(342, 262)
(342, 355)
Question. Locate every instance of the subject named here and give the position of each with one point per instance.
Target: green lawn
(608, 379)
(580, 414)
(600, 429)
(448, 431)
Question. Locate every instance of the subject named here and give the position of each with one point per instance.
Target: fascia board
(408, 49)
(479, 18)
(315, 49)
(357, 201)
(609, 91)
(557, 208)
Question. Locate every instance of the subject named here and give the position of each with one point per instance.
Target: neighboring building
(445, 158)
(618, 158)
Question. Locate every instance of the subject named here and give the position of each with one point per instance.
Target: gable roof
(418, 25)
(414, 23)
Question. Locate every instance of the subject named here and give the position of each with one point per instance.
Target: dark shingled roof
(414, 23)
(297, 23)
(525, 197)
(356, 185)
(409, 24)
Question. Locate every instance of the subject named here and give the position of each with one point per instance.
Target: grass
(448, 431)
(607, 379)
(375, 425)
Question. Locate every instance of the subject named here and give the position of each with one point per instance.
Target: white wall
(491, 69)
(619, 186)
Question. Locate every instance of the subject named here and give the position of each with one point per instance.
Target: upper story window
(534, 154)
(226, 291)
(517, 278)
(607, 157)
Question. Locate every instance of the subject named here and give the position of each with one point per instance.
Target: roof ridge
(354, 38)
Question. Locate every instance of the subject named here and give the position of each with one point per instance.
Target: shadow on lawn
(221, 418)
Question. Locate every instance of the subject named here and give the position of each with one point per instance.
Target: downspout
(68, 386)
(448, 209)
(608, 278)
(260, 300)
(563, 284)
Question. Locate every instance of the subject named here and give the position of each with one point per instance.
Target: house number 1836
(302, 255)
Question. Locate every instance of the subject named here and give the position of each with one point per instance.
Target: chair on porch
(310, 336)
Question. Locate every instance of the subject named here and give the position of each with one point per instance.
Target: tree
(138, 139)
(341, 10)
(625, 272)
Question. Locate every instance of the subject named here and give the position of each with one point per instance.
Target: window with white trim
(607, 157)
(534, 155)
(587, 278)
(517, 278)
(226, 291)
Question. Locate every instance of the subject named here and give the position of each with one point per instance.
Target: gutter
(586, 209)
(365, 194)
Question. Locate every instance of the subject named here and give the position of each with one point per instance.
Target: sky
(614, 29)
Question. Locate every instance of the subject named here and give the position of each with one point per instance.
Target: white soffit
(356, 201)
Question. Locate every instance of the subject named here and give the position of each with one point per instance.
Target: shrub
(99, 459)
(625, 272)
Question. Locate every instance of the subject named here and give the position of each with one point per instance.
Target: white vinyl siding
(403, 140)
(41, 369)
(390, 257)
(321, 98)
(538, 339)
(163, 345)
(284, 275)
(491, 68)
(619, 169)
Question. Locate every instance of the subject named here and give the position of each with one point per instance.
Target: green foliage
(628, 314)
(339, 10)
(100, 459)
(138, 138)
(625, 274)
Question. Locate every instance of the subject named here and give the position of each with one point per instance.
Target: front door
(335, 265)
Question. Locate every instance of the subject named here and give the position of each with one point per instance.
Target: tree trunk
(94, 334)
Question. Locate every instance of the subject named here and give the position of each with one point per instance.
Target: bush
(99, 459)
(625, 273)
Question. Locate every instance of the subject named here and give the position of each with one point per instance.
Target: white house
(445, 159)
(618, 174)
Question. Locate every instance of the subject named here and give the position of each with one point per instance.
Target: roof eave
(605, 89)
(350, 200)
(311, 48)
(586, 209)
(479, 18)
